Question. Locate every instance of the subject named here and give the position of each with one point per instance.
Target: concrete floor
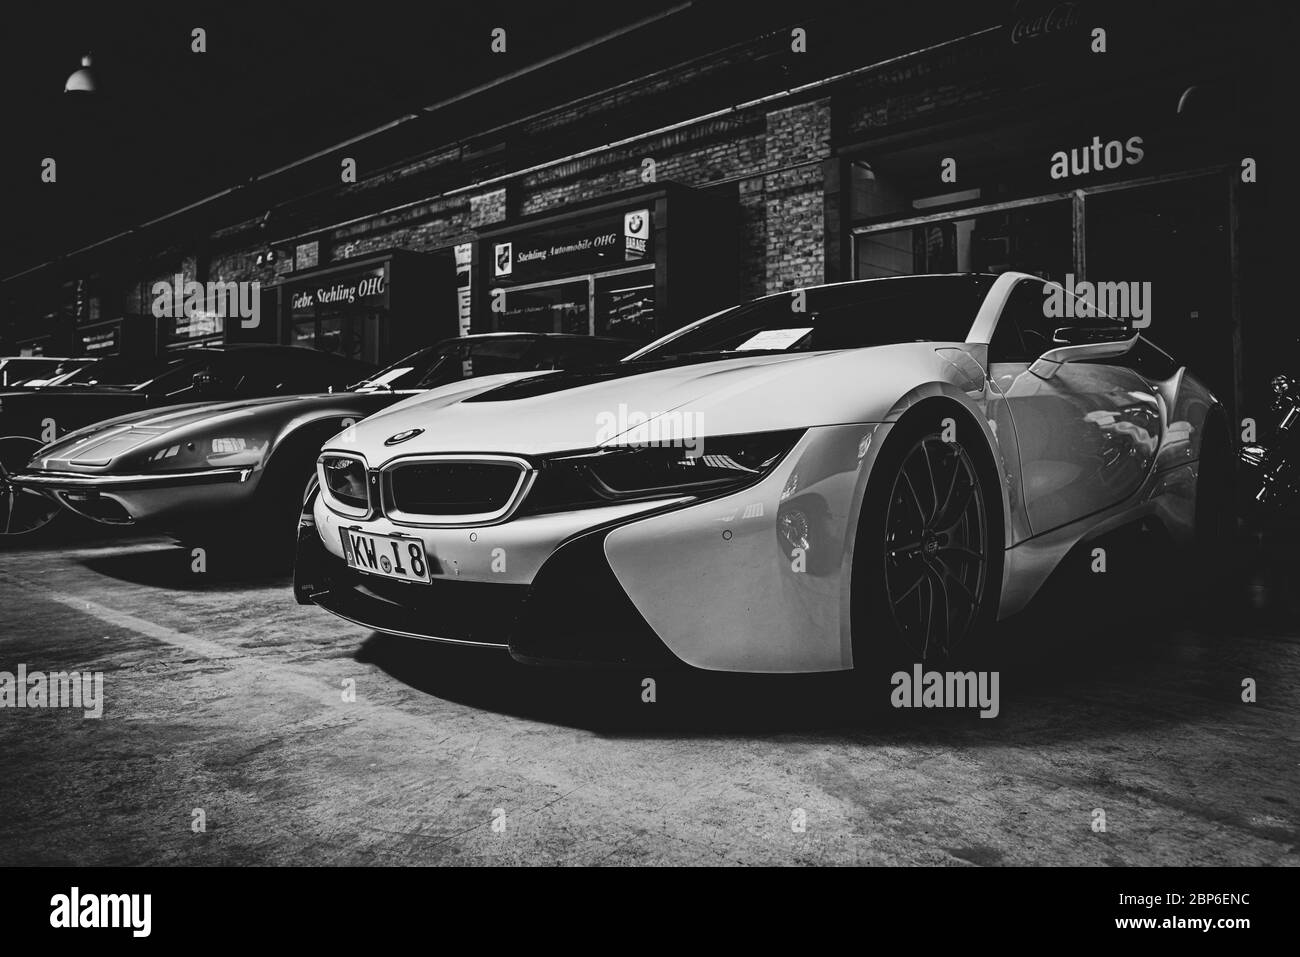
(223, 695)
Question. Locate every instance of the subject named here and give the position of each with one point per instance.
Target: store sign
(636, 234)
(626, 313)
(196, 325)
(597, 244)
(101, 341)
(503, 259)
(464, 289)
(362, 289)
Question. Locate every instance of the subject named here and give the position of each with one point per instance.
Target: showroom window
(1036, 238)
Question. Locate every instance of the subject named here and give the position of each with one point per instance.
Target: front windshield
(118, 372)
(450, 362)
(29, 370)
(843, 316)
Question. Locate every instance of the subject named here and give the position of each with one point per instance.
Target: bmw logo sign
(402, 436)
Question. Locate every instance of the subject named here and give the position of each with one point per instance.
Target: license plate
(390, 556)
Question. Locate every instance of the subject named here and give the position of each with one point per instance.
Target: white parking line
(287, 678)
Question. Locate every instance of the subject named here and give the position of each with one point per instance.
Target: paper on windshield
(388, 376)
(774, 339)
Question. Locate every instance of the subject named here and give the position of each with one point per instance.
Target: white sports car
(852, 474)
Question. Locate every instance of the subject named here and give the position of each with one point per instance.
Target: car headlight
(709, 467)
(222, 451)
(344, 480)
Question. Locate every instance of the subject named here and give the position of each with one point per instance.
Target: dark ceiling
(283, 79)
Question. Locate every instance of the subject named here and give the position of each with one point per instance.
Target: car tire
(261, 538)
(930, 536)
(25, 516)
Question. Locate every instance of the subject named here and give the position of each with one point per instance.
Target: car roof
(524, 334)
(861, 282)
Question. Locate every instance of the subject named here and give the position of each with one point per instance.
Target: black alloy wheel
(936, 545)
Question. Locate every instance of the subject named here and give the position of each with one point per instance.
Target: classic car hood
(178, 416)
(565, 411)
(100, 446)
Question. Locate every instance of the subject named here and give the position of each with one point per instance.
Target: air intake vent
(453, 491)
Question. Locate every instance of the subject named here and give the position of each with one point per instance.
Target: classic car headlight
(344, 481)
(223, 451)
(713, 466)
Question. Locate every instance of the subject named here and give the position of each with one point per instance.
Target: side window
(310, 372)
(1031, 320)
(574, 354)
(250, 373)
(494, 356)
(1024, 331)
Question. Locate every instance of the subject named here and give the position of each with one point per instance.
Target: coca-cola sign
(1034, 19)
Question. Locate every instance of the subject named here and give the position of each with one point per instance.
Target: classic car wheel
(268, 523)
(285, 493)
(928, 555)
(22, 511)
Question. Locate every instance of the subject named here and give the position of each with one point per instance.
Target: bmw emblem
(402, 436)
(385, 564)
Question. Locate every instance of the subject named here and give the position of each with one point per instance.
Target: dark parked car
(116, 386)
(28, 372)
(235, 473)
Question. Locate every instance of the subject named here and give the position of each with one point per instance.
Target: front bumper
(709, 583)
(135, 499)
(535, 623)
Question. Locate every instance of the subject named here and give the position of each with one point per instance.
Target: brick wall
(798, 140)
(486, 209)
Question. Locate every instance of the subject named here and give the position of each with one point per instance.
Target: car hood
(566, 411)
(119, 442)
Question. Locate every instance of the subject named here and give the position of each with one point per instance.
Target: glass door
(1173, 235)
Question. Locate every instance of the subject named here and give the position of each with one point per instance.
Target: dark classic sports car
(114, 386)
(223, 473)
(29, 372)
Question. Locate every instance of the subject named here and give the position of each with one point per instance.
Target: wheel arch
(930, 399)
(944, 395)
(303, 436)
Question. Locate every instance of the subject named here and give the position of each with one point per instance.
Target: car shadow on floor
(159, 563)
(1130, 646)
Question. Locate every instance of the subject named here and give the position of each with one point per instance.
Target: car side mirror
(1087, 335)
(1103, 347)
(204, 383)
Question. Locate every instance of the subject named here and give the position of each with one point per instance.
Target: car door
(1087, 432)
